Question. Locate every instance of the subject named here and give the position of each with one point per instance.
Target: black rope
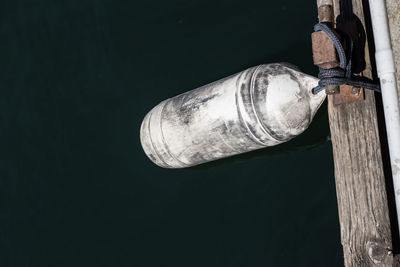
(344, 73)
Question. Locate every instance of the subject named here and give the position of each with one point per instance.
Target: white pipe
(386, 73)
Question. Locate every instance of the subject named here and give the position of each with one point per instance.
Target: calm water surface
(77, 78)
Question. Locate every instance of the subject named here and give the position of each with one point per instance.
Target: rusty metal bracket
(325, 57)
(348, 94)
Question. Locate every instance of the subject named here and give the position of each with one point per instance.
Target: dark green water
(76, 79)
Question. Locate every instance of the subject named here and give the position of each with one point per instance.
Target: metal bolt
(355, 90)
(332, 89)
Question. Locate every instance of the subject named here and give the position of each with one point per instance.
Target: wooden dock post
(359, 175)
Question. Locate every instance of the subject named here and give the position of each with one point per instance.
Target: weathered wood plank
(360, 181)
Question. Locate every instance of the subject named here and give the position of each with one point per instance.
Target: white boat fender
(260, 107)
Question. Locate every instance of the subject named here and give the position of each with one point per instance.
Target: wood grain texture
(360, 181)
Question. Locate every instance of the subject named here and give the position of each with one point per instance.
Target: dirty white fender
(260, 107)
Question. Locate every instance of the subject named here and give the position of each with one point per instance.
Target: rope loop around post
(342, 74)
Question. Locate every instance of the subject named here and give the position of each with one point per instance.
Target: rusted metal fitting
(325, 56)
(332, 89)
(324, 51)
(348, 94)
(355, 90)
(325, 13)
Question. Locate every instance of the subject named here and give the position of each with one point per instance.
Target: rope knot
(342, 74)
